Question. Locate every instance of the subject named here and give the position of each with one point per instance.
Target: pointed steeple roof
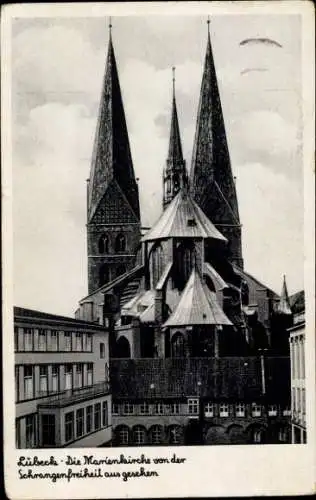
(211, 177)
(175, 147)
(175, 174)
(183, 219)
(111, 159)
(284, 304)
(197, 306)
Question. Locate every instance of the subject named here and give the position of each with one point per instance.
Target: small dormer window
(191, 222)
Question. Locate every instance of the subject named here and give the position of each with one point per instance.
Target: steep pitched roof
(197, 306)
(175, 173)
(284, 304)
(183, 219)
(175, 146)
(211, 176)
(111, 153)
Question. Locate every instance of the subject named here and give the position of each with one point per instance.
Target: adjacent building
(62, 389)
(298, 388)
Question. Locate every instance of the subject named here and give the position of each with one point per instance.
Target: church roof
(284, 304)
(111, 159)
(183, 219)
(175, 147)
(216, 278)
(230, 378)
(211, 176)
(197, 306)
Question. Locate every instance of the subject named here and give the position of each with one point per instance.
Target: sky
(57, 70)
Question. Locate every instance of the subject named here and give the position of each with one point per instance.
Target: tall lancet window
(156, 264)
(120, 243)
(103, 244)
(177, 346)
(185, 263)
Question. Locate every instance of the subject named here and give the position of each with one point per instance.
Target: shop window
(30, 431)
(89, 413)
(79, 422)
(105, 417)
(97, 416)
(69, 426)
(48, 430)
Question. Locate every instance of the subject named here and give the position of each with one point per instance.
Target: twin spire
(111, 159)
(211, 179)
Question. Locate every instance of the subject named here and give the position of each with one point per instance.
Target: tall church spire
(113, 204)
(175, 174)
(111, 153)
(284, 304)
(211, 177)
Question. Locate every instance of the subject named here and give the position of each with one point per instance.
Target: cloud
(271, 214)
(57, 76)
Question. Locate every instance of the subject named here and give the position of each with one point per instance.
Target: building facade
(298, 377)
(62, 389)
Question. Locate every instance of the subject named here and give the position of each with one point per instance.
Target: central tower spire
(113, 213)
(211, 175)
(175, 174)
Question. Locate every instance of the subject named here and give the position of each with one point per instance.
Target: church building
(199, 348)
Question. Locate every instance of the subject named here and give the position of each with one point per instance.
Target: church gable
(114, 208)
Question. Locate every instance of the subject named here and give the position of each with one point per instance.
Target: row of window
(119, 243)
(297, 357)
(30, 339)
(140, 436)
(49, 379)
(86, 420)
(192, 407)
(76, 424)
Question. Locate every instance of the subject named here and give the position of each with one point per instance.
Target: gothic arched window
(104, 275)
(185, 263)
(120, 243)
(103, 244)
(156, 264)
(177, 345)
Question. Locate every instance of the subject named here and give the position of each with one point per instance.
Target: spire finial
(208, 22)
(173, 80)
(110, 25)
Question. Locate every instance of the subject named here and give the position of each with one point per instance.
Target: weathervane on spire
(173, 79)
(110, 25)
